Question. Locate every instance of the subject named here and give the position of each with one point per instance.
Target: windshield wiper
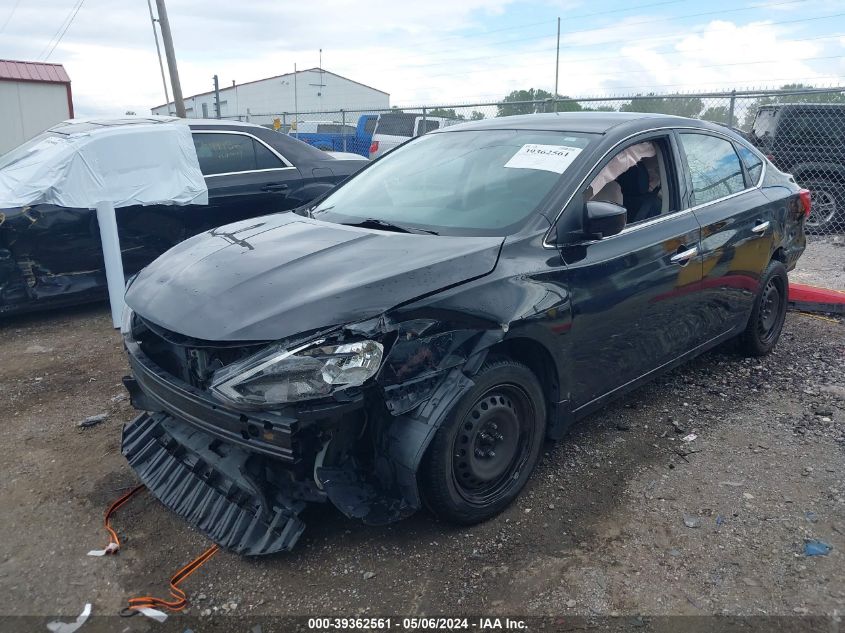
(375, 223)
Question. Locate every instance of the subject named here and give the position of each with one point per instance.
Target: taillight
(806, 201)
(373, 147)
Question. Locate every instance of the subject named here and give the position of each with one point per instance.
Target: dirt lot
(621, 517)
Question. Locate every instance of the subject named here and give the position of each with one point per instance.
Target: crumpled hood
(280, 275)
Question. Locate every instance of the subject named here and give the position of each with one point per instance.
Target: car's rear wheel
(769, 312)
(483, 455)
(828, 206)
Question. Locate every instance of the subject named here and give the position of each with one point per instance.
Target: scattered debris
(816, 548)
(70, 627)
(689, 438)
(678, 428)
(812, 517)
(570, 603)
(691, 521)
(93, 420)
(720, 520)
(369, 574)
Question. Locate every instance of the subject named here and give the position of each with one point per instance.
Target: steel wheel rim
(499, 422)
(823, 208)
(772, 301)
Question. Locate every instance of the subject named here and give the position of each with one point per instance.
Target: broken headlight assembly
(277, 376)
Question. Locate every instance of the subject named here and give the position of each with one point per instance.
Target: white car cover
(82, 163)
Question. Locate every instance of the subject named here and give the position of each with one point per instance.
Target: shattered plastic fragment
(155, 614)
(816, 548)
(70, 627)
(111, 548)
(689, 438)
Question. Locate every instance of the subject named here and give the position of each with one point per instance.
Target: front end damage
(244, 475)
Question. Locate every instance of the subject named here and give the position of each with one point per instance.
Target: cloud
(441, 52)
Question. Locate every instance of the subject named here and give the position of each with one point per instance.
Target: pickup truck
(334, 136)
(807, 140)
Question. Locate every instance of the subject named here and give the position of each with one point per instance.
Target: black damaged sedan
(414, 337)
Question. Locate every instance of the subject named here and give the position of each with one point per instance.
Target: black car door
(245, 178)
(737, 226)
(635, 295)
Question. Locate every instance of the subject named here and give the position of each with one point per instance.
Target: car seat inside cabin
(634, 178)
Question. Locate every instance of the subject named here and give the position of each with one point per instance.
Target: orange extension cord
(180, 598)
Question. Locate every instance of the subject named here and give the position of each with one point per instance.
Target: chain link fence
(801, 130)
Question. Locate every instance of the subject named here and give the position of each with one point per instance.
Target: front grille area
(191, 360)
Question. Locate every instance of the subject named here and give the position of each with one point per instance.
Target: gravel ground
(823, 263)
(621, 517)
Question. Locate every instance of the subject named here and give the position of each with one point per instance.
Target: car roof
(589, 122)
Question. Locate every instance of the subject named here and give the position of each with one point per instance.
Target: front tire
(482, 456)
(769, 312)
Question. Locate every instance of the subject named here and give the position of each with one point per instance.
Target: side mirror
(604, 219)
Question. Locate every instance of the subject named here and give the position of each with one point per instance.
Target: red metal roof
(11, 70)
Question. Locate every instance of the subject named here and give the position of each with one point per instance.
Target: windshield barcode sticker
(554, 158)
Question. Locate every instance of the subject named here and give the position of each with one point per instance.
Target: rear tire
(769, 312)
(828, 206)
(482, 456)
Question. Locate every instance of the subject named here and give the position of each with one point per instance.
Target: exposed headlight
(276, 376)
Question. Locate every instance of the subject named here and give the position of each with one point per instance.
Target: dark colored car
(808, 141)
(415, 336)
(52, 256)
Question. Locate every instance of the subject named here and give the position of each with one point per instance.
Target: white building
(261, 101)
(33, 97)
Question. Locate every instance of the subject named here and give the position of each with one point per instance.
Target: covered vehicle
(412, 338)
(51, 254)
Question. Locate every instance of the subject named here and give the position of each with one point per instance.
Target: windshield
(482, 182)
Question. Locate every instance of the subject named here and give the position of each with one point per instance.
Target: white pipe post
(110, 240)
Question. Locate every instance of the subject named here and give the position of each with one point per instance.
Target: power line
(626, 41)
(627, 24)
(60, 32)
(569, 17)
(9, 17)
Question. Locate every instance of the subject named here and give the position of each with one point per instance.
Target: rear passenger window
(753, 163)
(714, 167)
(264, 158)
(227, 153)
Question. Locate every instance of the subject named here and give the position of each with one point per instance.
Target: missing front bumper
(215, 486)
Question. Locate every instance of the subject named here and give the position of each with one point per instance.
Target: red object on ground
(815, 299)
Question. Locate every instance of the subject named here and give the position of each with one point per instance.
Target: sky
(433, 52)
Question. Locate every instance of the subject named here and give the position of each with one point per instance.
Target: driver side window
(638, 178)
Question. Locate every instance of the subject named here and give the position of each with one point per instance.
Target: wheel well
(779, 255)
(538, 359)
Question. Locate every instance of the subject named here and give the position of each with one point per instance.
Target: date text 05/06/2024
(417, 623)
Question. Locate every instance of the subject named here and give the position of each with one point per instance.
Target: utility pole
(167, 39)
(295, 104)
(557, 61)
(216, 98)
(158, 52)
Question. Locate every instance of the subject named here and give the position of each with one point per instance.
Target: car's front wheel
(483, 455)
(769, 312)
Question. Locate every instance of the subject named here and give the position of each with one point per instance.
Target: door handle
(272, 188)
(761, 227)
(683, 257)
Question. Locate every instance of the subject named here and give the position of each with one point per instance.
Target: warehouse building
(261, 101)
(33, 96)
